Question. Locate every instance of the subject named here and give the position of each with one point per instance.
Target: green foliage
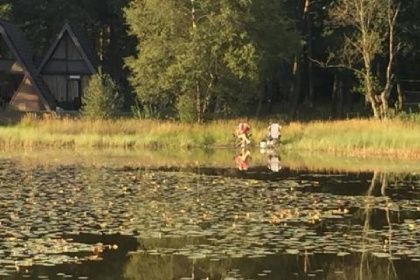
(274, 35)
(208, 140)
(5, 11)
(410, 116)
(101, 99)
(205, 48)
(367, 38)
(186, 108)
(360, 87)
(145, 111)
(409, 27)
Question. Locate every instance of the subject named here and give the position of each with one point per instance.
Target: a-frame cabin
(68, 65)
(20, 85)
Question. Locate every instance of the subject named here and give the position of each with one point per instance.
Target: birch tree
(368, 28)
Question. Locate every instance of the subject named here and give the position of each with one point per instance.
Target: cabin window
(74, 97)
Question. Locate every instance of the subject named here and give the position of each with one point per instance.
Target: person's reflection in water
(273, 160)
(274, 163)
(242, 159)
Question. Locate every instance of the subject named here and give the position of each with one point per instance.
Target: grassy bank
(48, 131)
(394, 138)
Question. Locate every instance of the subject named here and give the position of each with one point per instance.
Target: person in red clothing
(242, 132)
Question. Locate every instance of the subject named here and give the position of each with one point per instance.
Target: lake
(162, 215)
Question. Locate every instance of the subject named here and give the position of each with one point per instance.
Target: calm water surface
(119, 219)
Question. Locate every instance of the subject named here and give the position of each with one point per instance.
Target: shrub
(145, 111)
(101, 99)
(186, 109)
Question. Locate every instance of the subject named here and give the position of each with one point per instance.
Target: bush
(145, 111)
(413, 117)
(186, 109)
(101, 99)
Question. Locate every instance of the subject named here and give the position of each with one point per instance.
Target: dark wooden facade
(59, 80)
(20, 85)
(26, 98)
(68, 65)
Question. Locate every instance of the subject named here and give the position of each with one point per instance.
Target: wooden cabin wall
(66, 46)
(67, 74)
(66, 60)
(66, 90)
(57, 85)
(26, 98)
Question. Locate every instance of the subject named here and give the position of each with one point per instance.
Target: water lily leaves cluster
(190, 215)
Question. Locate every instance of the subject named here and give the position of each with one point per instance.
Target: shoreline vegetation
(394, 138)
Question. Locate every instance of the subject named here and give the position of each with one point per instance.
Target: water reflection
(273, 159)
(242, 159)
(143, 266)
(169, 223)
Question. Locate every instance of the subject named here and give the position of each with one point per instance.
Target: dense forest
(203, 59)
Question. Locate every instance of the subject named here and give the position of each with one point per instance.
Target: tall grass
(396, 138)
(357, 137)
(35, 131)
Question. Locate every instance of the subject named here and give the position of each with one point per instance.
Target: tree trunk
(334, 97)
(115, 63)
(296, 86)
(384, 184)
(400, 97)
(297, 66)
(384, 108)
(375, 107)
(260, 101)
(198, 103)
(370, 95)
(386, 93)
(311, 94)
(337, 96)
(340, 98)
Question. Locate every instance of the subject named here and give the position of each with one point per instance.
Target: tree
(101, 99)
(274, 33)
(197, 49)
(368, 28)
(42, 19)
(107, 25)
(5, 11)
(408, 57)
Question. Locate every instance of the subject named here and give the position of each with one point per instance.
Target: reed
(50, 131)
(361, 137)
(357, 137)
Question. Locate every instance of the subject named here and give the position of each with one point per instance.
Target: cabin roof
(83, 44)
(24, 54)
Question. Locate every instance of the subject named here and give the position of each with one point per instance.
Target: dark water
(84, 221)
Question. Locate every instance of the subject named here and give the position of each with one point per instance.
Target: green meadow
(357, 137)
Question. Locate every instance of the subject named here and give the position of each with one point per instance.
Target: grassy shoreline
(390, 138)
(361, 137)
